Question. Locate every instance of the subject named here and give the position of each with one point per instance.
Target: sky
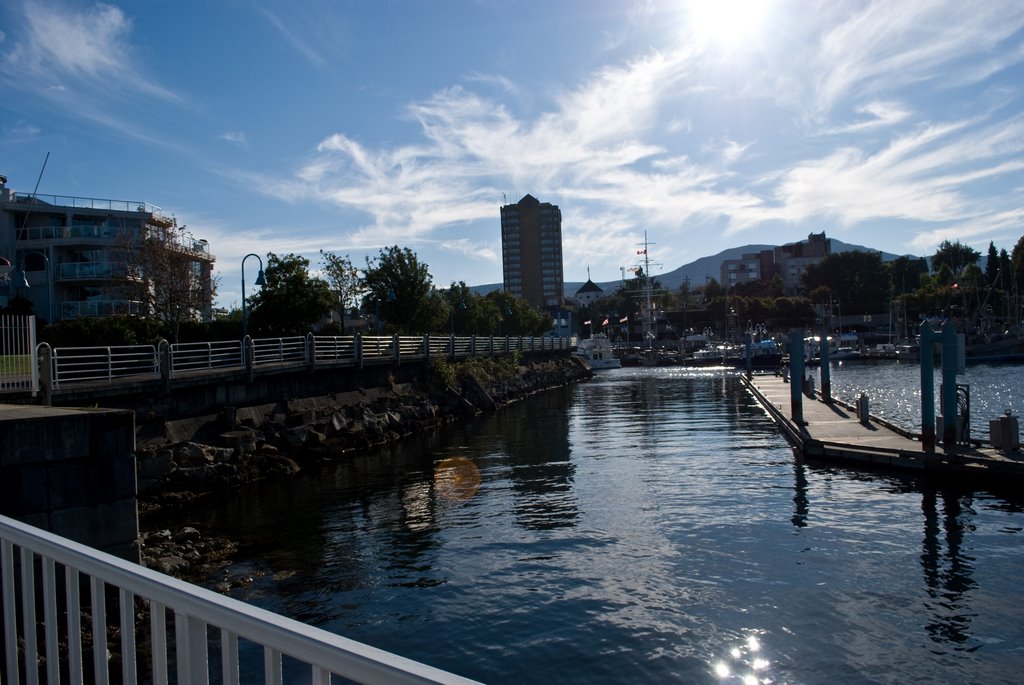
(298, 126)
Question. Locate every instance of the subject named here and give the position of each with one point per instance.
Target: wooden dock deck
(834, 432)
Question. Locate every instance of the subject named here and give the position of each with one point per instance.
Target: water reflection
(947, 572)
(801, 507)
(536, 445)
(746, 664)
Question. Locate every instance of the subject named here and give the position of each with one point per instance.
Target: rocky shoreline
(178, 461)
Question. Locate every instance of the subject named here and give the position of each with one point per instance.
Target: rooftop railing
(58, 596)
(87, 203)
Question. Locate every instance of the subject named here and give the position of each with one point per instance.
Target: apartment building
(789, 261)
(531, 252)
(67, 254)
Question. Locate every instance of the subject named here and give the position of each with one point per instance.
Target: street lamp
(49, 281)
(259, 281)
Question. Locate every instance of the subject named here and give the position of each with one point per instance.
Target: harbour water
(648, 526)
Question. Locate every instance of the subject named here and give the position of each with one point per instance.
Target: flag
(641, 251)
(605, 323)
(624, 319)
(587, 322)
(955, 286)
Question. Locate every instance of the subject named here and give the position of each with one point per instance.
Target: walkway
(834, 432)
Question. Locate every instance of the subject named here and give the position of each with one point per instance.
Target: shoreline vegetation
(180, 461)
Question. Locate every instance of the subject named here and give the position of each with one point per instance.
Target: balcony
(91, 271)
(99, 308)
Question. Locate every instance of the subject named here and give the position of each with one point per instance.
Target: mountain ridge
(700, 270)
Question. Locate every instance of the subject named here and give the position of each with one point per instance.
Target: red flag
(641, 251)
(605, 323)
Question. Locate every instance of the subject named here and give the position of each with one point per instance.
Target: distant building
(588, 293)
(789, 261)
(70, 252)
(531, 252)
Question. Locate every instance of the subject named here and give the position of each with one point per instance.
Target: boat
(597, 352)
(764, 354)
(843, 353)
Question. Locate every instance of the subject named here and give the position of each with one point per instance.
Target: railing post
(44, 362)
(164, 360)
(248, 355)
(426, 346)
(451, 346)
(357, 344)
(311, 350)
(395, 340)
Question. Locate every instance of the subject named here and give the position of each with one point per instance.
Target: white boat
(842, 353)
(596, 351)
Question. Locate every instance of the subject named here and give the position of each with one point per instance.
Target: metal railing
(86, 202)
(169, 630)
(71, 365)
(18, 372)
(221, 354)
(91, 364)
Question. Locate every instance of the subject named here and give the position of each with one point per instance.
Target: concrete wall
(71, 472)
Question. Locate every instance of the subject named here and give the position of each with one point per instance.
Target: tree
(343, 279)
(905, 274)
(991, 265)
(1017, 267)
(856, 278)
(397, 283)
(954, 255)
(290, 301)
(167, 274)
(517, 317)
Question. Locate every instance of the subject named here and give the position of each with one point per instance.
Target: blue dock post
(826, 370)
(796, 376)
(948, 402)
(927, 388)
(748, 344)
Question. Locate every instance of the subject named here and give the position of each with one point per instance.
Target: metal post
(927, 389)
(948, 399)
(796, 376)
(259, 281)
(825, 369)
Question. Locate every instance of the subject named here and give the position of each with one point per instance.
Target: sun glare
(727, 24)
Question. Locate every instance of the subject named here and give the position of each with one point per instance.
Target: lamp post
(49, 281)
(259, 281)
(390, 298)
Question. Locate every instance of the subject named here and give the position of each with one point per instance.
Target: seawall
(71, 472)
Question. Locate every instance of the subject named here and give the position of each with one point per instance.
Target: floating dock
(833, 431)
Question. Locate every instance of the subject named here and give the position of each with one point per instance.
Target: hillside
(698, 272)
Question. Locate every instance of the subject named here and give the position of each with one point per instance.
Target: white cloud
(893, 43)
(298, 43)
(65, 45)
(237, 137)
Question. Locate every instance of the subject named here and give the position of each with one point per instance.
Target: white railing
(221, 354)
(71, 365)
(278, 350)
(74, 584)
(18, 370)
(98, 364)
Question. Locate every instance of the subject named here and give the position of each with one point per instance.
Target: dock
(832, 431)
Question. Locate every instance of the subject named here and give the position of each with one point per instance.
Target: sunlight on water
(746, 664)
